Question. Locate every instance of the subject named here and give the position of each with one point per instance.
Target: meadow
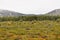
(30, 30)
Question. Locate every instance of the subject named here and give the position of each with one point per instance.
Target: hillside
(55, 12)
(10, 13)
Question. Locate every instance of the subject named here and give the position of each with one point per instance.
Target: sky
(30, 6)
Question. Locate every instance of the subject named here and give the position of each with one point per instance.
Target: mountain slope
(55, 12)
(10, 13)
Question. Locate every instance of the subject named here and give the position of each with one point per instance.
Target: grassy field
(30, 30)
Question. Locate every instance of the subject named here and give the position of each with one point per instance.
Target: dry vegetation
(30, 30)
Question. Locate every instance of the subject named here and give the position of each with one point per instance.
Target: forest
(29, 18)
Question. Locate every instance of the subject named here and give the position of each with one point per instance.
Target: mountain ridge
(55, 12)
(12, 13)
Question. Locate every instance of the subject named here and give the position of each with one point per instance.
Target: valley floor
(30, 30)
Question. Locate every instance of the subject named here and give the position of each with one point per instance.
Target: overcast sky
(30, 6)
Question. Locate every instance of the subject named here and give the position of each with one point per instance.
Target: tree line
(29, 18)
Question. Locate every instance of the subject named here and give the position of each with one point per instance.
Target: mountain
(55, 12)
(12, 13)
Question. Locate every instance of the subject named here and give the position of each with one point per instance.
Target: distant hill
(12, 13)
(55, 12)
